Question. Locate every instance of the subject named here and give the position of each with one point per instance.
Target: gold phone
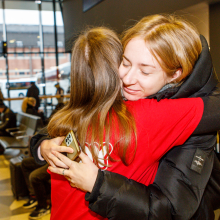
(70, 141)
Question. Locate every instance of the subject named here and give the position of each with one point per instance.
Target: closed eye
(125, 65)
(145, 73)
(125, 62)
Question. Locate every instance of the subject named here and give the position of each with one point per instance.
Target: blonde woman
(27, 104)
(142, 60)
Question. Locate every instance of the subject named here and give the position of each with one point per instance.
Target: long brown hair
(96, 105)
(174, 42)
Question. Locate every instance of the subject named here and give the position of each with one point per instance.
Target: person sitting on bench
(8, 119)
(38, 182)
(28, 106)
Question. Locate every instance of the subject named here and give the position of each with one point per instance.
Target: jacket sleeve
(176, 192)
(35, 143)
(210, 120)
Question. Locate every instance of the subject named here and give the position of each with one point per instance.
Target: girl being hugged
(95, 105)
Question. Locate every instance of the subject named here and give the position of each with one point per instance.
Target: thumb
(84, 158)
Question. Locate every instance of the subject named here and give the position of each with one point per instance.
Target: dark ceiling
(117, 14)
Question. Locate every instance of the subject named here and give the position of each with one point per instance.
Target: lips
(130, 91)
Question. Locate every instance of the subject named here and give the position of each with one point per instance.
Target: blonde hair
(27, 101)
(173, 41)
(96, 105)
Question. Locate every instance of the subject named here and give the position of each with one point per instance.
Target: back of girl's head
(95, 97)
(96, 57)
(173, 41)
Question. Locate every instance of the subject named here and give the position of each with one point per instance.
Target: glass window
(20, 30)
(1, 23)
(48, 25)
(24, 57)
(2, 59)
(19, 43)
(21, 36)
(50, 76)
(60, 29)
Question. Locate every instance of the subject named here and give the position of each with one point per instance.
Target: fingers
(63, 149)
(73, 185)
(50, 162)
(54, 161)
(63, 158)
(85, 158)
(58, 140)
(54, 144)
(68, 178)
(60, 171)
(48, 146)
(55, 147)
(58, 163)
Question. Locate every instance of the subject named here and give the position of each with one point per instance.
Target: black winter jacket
(177, 190)
(179, 186)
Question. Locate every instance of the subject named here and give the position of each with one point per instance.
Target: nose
(130, 77)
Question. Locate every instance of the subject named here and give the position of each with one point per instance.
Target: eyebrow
(142, 64)
(126, 58)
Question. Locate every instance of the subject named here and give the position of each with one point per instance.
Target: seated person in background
(37, 180)
(33, 91)
(28, 106)
(59, 91)
(8, 119)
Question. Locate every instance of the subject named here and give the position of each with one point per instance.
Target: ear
(176, 75)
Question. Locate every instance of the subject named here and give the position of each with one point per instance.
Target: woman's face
(140, 73)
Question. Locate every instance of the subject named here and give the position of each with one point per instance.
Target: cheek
(121, 71)
(165, 78)
(146, 82)
(151, 84)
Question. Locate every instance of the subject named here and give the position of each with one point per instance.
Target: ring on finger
(63, 172)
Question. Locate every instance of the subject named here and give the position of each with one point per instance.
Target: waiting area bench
(20, 136)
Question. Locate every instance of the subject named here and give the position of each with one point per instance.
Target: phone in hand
(70, 141)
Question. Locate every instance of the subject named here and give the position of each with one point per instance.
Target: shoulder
(168, 107)
(165, 102)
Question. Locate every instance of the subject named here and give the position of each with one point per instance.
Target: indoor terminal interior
(36, 37)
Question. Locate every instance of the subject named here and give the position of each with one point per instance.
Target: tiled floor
(10, 208)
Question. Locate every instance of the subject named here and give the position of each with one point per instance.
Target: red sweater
(160, 126)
